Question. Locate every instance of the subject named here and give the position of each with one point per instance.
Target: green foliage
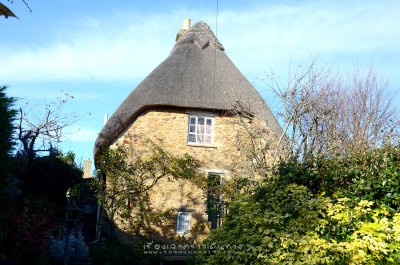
(44, 185)
(32, 190)
(7, 180)
(127, 181)
(26, 230)
(375, 176)
(51, 176)
(341, 210)
(289, 225)
(7, 116)
(368, 175)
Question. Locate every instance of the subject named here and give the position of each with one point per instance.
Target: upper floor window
(201, 129)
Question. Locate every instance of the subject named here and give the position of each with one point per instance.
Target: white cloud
(274, 33)
(97, 51)
(128, 46)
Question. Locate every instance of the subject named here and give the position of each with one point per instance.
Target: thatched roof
(196, 74)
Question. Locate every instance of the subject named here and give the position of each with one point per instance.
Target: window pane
(200, 120)
(208, 129)
(192, 138)
(209, 122)
(183, 222)
(208, 140)
(192, 128)
(200, 139)
(192, 120)
(200, 129)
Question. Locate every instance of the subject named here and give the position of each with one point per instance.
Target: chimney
(86, 169)
(186, 24)
(105, 118)
(185, 27)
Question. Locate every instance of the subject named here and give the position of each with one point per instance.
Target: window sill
(184, 233)
(202, 145)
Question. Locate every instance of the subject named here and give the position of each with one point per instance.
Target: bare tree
(254, 140)
(326, 114)
(367, 110)
(40, 126)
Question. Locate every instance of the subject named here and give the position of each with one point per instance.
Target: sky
(99, 51)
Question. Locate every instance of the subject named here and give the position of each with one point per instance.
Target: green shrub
(372, 175)
(375, 176)
(113, 252)
(289, 225)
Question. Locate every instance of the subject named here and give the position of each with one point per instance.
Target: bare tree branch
(44, 123)
(326, 114)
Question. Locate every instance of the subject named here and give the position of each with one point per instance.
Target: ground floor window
(213, 190)
(183, 224)
(213, 202)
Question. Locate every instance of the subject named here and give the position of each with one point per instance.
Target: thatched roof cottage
(182, 105)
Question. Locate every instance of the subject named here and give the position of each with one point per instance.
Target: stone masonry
(168, 127)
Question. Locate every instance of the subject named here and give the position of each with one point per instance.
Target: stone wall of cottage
(168, 127)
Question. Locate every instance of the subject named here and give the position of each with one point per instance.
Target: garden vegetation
(333, 194)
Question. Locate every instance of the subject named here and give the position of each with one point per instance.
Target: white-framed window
(201, 129)
(183, 224)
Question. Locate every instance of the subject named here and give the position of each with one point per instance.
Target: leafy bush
(8, 187)
(375, 176)
(289, 225)
(25, 236)
(369, 175)
(51, 176)
(130, 176)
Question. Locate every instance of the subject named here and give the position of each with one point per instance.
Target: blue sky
(99, 51)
